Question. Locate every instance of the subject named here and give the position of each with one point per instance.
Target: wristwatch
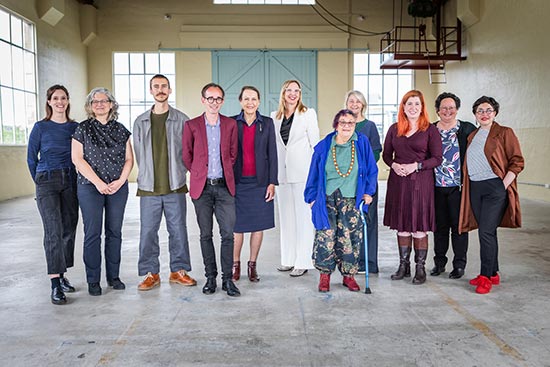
(418, 166)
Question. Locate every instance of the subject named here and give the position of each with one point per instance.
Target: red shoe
(484, 285)
(350, 282)
(495, 280)
(324, 283)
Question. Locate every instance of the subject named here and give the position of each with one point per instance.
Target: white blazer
(295, 157)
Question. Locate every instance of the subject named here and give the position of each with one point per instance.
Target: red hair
(403, 126)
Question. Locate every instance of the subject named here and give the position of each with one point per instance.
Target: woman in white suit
(297, 133)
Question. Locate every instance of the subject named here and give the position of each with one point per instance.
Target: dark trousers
(372, 237)
(447, 212)
(488, 200)
(216, 200)
(58, 206)
(93, 204)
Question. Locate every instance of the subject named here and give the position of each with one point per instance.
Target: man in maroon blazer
(210, 146)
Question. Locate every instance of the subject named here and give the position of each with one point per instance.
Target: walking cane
(366, 241)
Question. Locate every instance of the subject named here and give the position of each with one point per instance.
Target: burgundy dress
(410, 199)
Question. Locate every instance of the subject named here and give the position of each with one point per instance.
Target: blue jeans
(216, 199)
(93, 204)
(58, 206)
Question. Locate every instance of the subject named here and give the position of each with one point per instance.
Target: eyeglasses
(346, 123)
(450, 109)
(218, 100)
(293, 90)
(487, 111)
(100, 101)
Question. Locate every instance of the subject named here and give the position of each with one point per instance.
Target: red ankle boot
(349, 281)
(495, 280)
(324, 282)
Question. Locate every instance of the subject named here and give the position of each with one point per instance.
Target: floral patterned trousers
(340, 244)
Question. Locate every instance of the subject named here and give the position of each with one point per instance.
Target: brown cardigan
(504, 154)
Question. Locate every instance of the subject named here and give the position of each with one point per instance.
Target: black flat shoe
(116, 283)
(58, 297)
(94, 289)
(436, 270)
(231, 288)
(457, 273)
(210, 286)
(66, 285)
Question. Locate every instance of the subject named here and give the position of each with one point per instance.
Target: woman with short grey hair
(103, 157)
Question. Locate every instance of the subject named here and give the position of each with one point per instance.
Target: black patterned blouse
(104, 148)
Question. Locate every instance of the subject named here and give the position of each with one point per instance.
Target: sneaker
(297, 272)
(484, 285)
(181, 277)
(94, 289)
(117, 284)
(149, 282)
(495, 280)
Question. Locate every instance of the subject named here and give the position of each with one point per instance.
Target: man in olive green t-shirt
(158, 135)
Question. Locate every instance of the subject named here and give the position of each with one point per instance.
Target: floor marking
(121, 341)
(479, 325)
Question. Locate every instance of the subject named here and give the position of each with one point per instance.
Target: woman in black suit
(255, 179)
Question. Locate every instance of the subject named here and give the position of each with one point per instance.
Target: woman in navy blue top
(51, 168)
(103, 157)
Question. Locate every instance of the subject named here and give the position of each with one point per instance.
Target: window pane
(122, 89)
(360, 64)
(152, 63)
(135, 111)
(136, 63)
(120, 63)
(4, 26)
(361, 84)
(30, 78)
(7, 116)
(148, 97)
(28, 36)
(5, 65)
(20, 117)
(375, 89)
(124, 116)
(137, 94)
(405, 85)
(168, 63)
(390, 88)
(16, 31)
(374, 64)
(18, 68)
(30, 112)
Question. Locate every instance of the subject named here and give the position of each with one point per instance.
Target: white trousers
(296, 228)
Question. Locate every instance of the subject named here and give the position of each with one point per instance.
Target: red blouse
(249, 156)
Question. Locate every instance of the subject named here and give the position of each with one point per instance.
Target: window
(17, 78)
(383, 89)
(132, 73)
(265, 2)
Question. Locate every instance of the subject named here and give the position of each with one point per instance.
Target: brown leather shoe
(181, 277)
(252, 273)
(149, 282)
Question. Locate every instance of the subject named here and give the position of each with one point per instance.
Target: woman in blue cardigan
(343, 173)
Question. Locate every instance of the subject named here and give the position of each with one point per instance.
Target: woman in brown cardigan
(490, 196)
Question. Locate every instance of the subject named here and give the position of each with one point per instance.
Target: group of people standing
(445, 177)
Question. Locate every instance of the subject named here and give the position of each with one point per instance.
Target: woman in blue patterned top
(103, 157)
(49, 161)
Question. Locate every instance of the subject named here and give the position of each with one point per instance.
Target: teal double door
(267, 71)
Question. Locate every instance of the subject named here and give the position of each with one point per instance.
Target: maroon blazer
(195, 152)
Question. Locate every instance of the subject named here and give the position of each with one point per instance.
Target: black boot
(420, 254)
(404, 246)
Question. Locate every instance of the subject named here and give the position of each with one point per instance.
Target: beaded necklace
(351, 163)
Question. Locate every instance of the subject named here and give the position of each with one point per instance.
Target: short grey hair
(113, 113)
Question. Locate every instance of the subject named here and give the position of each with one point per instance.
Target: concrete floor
(280, 321)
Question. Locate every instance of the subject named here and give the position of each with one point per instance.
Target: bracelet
(418, 166)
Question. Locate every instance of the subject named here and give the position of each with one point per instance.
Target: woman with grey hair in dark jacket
(103, 157)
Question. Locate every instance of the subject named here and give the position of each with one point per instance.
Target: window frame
(21, 90)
